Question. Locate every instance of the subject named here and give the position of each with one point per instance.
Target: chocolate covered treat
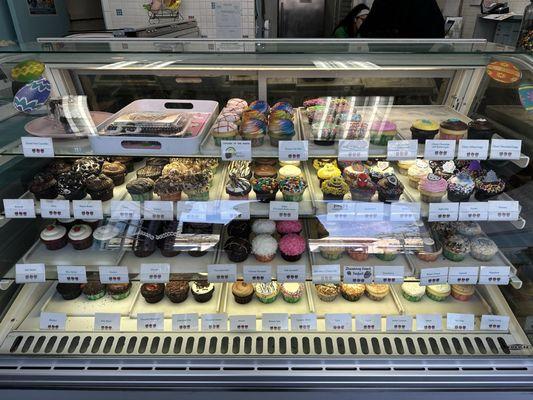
(44, 186)
(153, 292)
(177, 291)
(100, 187)
(71, 186)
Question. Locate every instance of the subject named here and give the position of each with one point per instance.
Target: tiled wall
(130, 13)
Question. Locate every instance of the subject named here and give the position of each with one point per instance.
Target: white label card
(358, 274)
(71, 274)
(399, 323)
(150, 321)
(275, 322)
(125, 210)
(158, 210)
(303, 322)
(428, 322)
(185, 322)
(473, 149)
(389, 273)
(338, 322)
(222, 273)
(463, 275)
(55, 208)
(214, 322)
(257, 273)
(242, 323)
(439, 149)
(505, 149)
(400, 212)
(402, 150)
(291, 273)
(37, 146)
(114, 275)
(327, 273)
(368, 322)
(87, 209)
(30, 273)
(366, 211)
(107, 321)
(193, 211)
(443, 212)
(293, 150)
(433, 276)
(494, 323)
(460, 322)
(504, 210)
(494, 275)
(283, 211)
(231, 150)
(340, 211)
(234, 209)
(476, 211)
(353, 150)
(19, 208)
(155, 273)
(49, 321)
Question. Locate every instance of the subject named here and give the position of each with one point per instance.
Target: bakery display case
(266, 215)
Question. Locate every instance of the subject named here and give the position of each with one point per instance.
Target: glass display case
(266, 215)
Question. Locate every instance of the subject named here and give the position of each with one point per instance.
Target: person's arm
(341, 32)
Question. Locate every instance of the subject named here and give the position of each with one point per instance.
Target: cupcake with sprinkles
(488, 187)
(265, 189)
(293, 188)
(291, 247)
(287, 227)
(460, 187)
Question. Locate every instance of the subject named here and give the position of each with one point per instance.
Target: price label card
(439, 149)
(125, 210)
(463, 275)
(185, 322)
(275, 322)
(30, 273)
(459, 322)
(366, 211)
(150, 321)
(399, 323)
(326, 273)
(193, 211)
(222, 273)
(293, 150)
(49, 321)
(402, 150)
(505, 149)
(214, 322)
(434, 276)
(257, 273)
(158, 210)
(504, 210)
(338, 322)
(107, 322)
(114, 274)
(232, 150)
(368, 322)
(494, 323)
(242, 323)
(155, 273)
(55, 208)
(428, 322)
(71, 274)
(478, 211)
(291, 273)
(494, 275)
(400, 212)
(19, 208)
(303, 322)
(389, 273)
(87, 209)
(473, 149)
(234, 209)
(358, 274)
(37, 146)
(283, 211)
(340, 211)
(443, 212)
(356, 150)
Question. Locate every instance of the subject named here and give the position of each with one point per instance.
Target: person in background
(350, 25)
(404, 19)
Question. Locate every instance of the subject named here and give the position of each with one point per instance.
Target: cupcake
(358, 253)
(381, 132)
(351, 291)
(381, 170)
(260, 226)
(462, 292)
(54, 237)
(67, 222)
(387, 249)
(327, 292)
(71, 186)
(253, 130)
(103, 234)
(331, 253)
(432, 188)
(489, 187)
(362, 188)
(293, 188)
(468, 228)
(404, 165)
(282, 106)
(456, 247)
(334, 189)
(237, 103)
(290, 162)
(389, 189)
(452, 129)
(100, 187)
(320, 162)
(259, 105)
(116, 171)
(482, 248)
(417, 171)
(69, 291)
(86, 167)
(264, 248)
(424, 129)
(168, 188)
(253, 114)
(286, 227)
(58, 167)
(202, 291)
(412, 291)
(237, 249)
(377, 292)
(153, 292)
(280, 129)
(292, 292)
(238, 188)
(291, 247)
(265, 189)
(444, 169)
(141, 189)
(460, 187)
(242, 292)
(266, 292)
(152, 172)
(196, 185)
(224, 130)
(240, 229)
(438, 292)
(44, 186)
(480, 129)
(94, 290)
(127, 161)
(177, 291)
(119, 291)
(352, 171)
(328, 171)
(475, 170)
(81, 237)
(265, 171)
(290, 171)
(156, 162)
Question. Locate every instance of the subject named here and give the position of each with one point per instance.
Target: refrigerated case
(476, 343)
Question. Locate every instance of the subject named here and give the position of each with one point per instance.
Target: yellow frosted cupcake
(328, 171)
(404, 165)
(417, 171)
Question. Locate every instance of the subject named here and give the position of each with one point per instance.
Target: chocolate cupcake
(141, 189)
(58, 167)
(86, 167)
(116, 171)
(69, 291)
(100, 187)
(119, 291)
(237, 249)
(153, 292)
(242, 292)
(452, 129)
(177, 291)
(44, 186)
(157, 161)
(71, 186)
(126, 161)
(54, 237)
(202, 291)
(94, 290)
(152, 172)
(167, 238)
(81, 236)
(240, 229)
(480, 129)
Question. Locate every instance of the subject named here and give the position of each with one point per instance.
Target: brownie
(153, 292)
(237, 249)
(167, 238)
(72, 186)
(69, 291)
(157, 161)
(150, 171)
(241, 229)
(144, 244)
(100, 187)
(44, 186)
(177, 291)
(116, 171)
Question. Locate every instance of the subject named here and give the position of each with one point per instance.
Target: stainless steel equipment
(301, 18)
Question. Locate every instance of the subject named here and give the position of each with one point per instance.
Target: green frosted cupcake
(331, 253)
(94, 290)
(266, 292)
(438, 292)
(412, 291)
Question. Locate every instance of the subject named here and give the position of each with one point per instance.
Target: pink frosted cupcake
(286, 227)
(291, 247)
(432, 188)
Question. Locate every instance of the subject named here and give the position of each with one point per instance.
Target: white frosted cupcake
(264, 248)
(263, 226)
